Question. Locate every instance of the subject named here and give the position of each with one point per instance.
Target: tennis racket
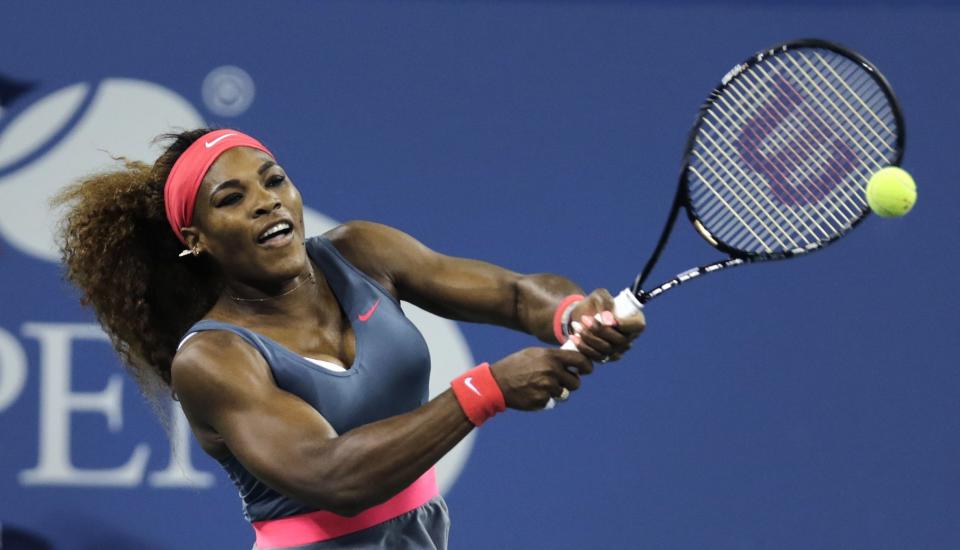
(777, 162)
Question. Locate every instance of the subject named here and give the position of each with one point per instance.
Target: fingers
(632, 325)
(601, 299)
(531, 377)
(604, 331)
(598, 334)
(595, 353)
(599, 339)
(585, 349)
(599, 306)
(567, 379)
(597, 301)
(603, 321)
(575, 359)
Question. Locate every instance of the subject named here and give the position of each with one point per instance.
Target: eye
(276, 180)
(232, 198)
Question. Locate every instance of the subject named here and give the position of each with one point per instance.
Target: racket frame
(682, 199)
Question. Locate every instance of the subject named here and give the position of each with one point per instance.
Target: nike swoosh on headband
(209, 144)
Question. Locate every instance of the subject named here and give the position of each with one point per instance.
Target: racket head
(778, 160)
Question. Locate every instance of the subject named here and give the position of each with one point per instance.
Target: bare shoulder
(216, 369)
(369, 239)
(380, 251)
(235, 407)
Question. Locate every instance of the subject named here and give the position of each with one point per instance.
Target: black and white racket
(778, 160)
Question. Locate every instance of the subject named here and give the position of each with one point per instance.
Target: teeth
(282, 226)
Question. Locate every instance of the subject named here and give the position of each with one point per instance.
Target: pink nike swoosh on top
(364, 316)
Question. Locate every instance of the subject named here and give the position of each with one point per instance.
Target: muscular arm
(225, 385)
(456, 288)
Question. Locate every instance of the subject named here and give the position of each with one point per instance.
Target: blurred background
(813, 403)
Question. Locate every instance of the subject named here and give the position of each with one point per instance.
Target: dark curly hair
(119, 250)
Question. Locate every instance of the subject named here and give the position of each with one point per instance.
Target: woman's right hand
(530, 377)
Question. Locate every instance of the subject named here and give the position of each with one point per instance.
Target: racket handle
(570, 346)
(625, 304)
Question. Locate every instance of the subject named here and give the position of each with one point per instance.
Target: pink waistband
(323, 525)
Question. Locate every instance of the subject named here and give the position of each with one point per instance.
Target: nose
(267, 202)
(262, 210)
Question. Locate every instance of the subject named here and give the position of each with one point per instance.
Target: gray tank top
(389, 376)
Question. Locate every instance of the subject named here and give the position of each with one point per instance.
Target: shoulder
(366, 238)
(216, 368)
(380, 251)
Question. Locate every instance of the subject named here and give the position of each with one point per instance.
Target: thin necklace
(239, 299)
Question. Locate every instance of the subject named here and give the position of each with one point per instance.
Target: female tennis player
(291, 357)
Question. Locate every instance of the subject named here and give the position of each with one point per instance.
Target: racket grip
(625, 304)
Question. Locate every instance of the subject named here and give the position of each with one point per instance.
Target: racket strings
(728, 175)
(843, 82)
(782, 156)
(808, 169)
(813, 144)
(833, 111)
(811, 132)
(725, 165)
(802, 217)
(766, 207)
(735, 214)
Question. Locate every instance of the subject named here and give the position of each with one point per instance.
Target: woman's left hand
(605, 338)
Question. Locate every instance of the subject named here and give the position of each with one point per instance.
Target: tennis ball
(891, 192)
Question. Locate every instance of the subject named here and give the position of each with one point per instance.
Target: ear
(192, 236)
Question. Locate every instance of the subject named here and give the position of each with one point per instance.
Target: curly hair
(119, 250)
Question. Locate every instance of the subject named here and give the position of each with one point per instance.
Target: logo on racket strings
(790, 144)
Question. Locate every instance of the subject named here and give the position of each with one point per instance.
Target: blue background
(803, 404)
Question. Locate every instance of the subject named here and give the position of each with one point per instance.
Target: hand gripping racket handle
(625, 305)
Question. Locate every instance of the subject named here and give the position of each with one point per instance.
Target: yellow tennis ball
(891, 192)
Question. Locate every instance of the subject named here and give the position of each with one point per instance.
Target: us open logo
(48, 138)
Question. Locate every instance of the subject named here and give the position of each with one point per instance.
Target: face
(249, 217)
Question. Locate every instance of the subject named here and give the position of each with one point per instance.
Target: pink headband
(180, 191)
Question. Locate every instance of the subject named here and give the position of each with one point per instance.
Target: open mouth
(276, 233)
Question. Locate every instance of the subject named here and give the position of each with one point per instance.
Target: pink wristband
(558, 316)
(479, 394)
